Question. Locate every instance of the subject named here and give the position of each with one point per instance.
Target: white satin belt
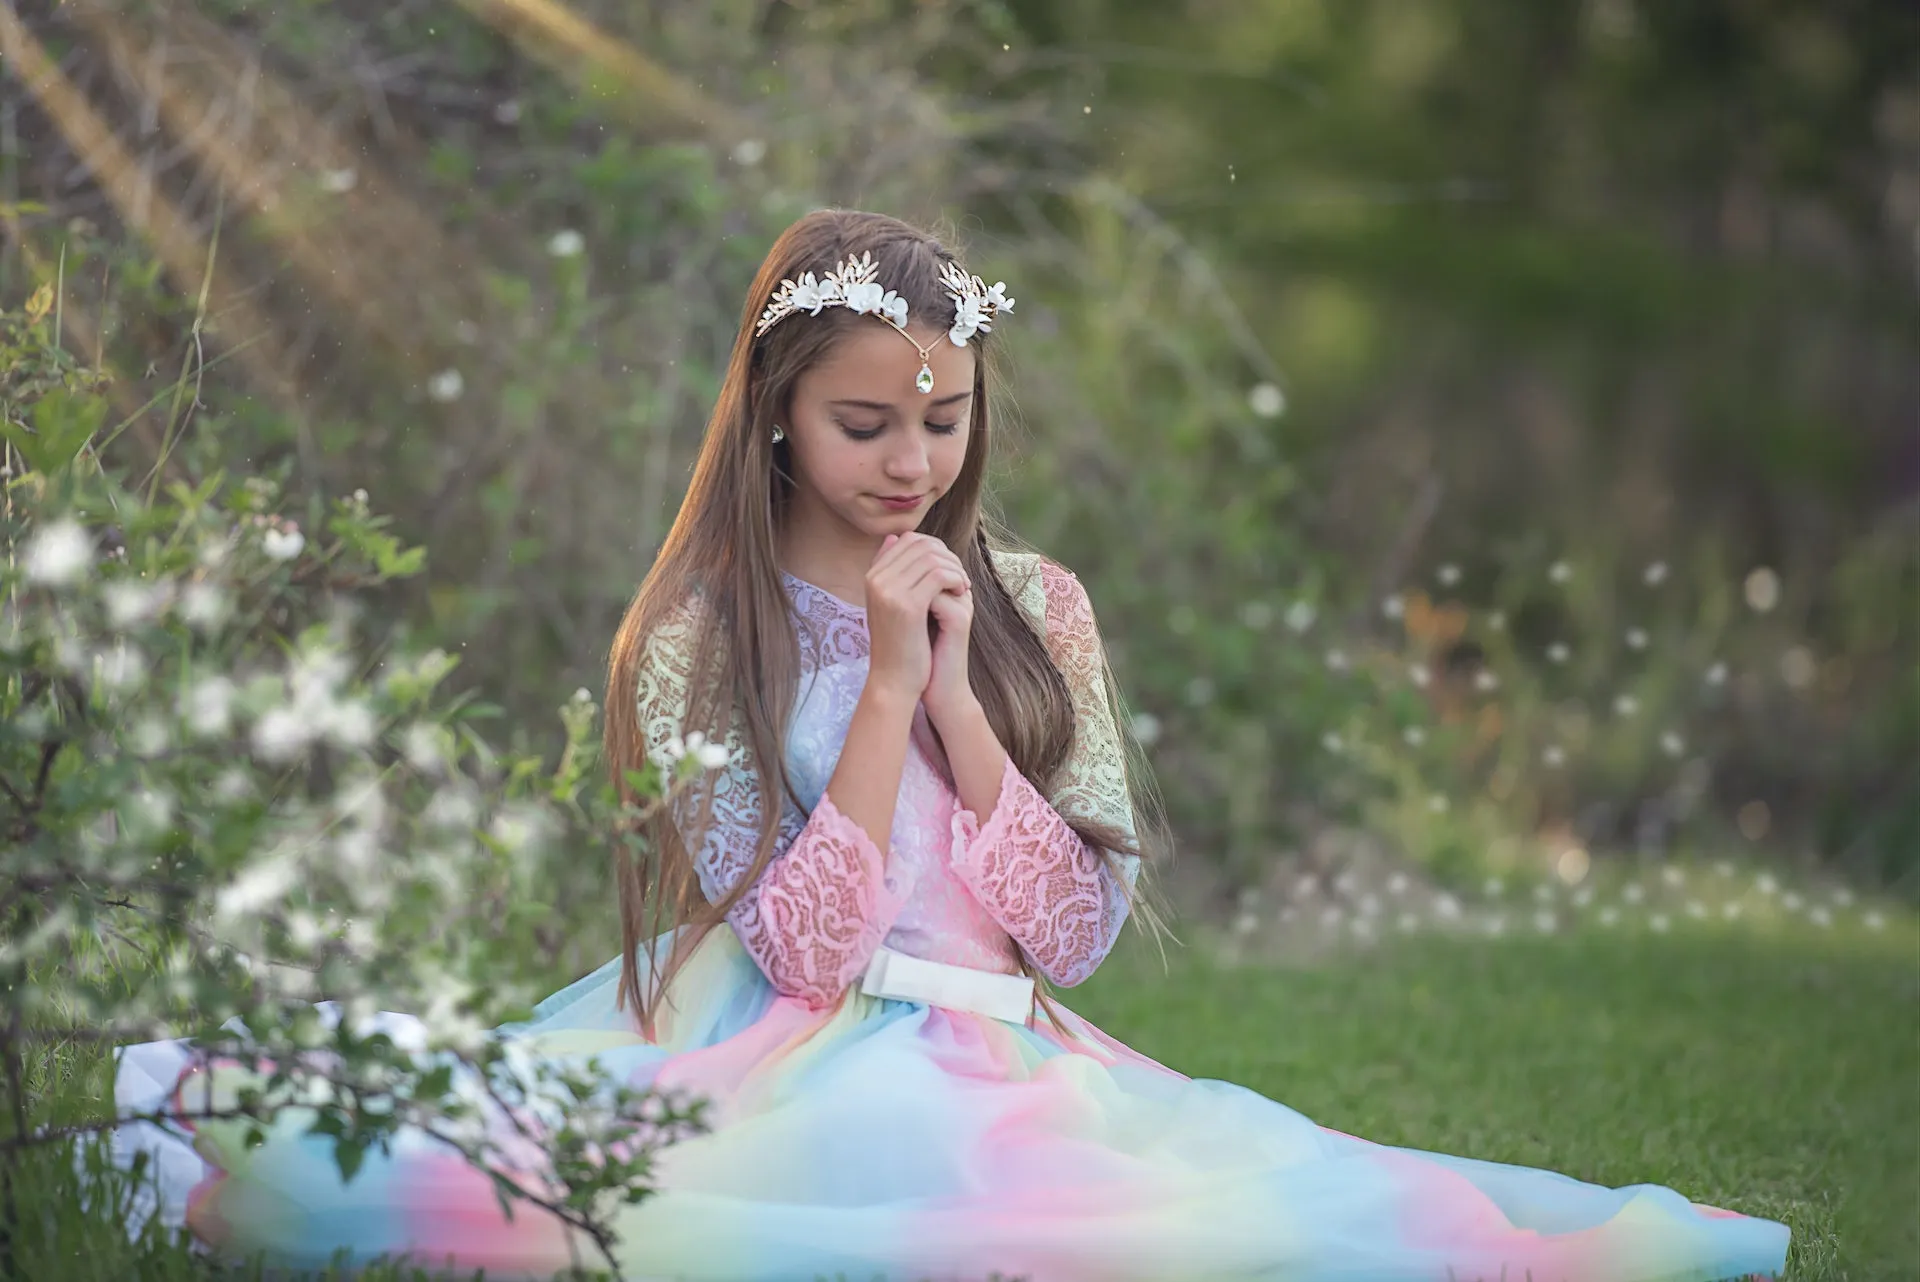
(915, 979)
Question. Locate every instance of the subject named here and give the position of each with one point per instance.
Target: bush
(223, 801)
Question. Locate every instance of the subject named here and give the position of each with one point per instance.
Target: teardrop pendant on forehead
(925, 380)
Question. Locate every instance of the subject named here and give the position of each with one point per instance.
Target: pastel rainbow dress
(876, 1137)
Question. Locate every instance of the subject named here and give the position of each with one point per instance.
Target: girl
(843, 937)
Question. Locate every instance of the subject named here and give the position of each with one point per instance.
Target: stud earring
(778, 434)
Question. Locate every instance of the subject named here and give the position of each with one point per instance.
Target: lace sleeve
(828, 897)
(1062, 899)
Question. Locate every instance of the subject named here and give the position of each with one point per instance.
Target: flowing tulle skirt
(888, 1139)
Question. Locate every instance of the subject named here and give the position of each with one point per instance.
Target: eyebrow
(942, 403)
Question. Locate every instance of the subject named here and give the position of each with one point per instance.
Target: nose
(909, 462)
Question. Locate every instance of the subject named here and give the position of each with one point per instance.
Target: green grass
(1772, 1074)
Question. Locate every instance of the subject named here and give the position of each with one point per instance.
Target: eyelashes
(868, 434)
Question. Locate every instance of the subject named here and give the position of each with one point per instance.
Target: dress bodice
(940, 919)
(1018, 883)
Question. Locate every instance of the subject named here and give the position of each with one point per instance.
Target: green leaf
(348, 1155)
(63, 423)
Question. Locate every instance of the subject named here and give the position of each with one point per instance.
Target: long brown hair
(745, 660)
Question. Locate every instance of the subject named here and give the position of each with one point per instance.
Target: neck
(827, 553)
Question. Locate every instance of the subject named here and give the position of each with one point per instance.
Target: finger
(952, 609)
(908, 563)
(942, 580)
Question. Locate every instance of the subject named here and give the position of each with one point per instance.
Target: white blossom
(58, 554)
(421, 743)
(1762, 590)
(130, 601)
(566, 243)
(120, 667)
(349, 723)
(339, 181)
(1636, 638)
(1655, 574)
(1267, 400)
(203, 605)
(521, 827)
(281, 734)
(207, 706)
(452, 806)
(232, 786)
(1146, 729)
(749, 152)
(446, 386)
(263, 883)
(1300, 615)
(148, 737)
(1560, 572)
(282, 544)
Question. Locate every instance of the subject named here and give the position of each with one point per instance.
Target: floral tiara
(851, 284)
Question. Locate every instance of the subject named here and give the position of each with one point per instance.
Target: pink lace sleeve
(1061, 899)
(828, 897)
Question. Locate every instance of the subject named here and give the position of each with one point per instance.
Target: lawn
(1772, 1074)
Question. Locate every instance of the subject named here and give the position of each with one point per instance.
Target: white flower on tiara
(869, 297)
(851, 284)
(975, 305)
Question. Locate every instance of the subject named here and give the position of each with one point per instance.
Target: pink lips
(906, 504)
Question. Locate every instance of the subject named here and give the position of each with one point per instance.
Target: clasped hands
(919, 620)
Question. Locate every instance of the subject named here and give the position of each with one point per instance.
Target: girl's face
(861, 434)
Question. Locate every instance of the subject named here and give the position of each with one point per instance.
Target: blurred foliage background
(1489, 430)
